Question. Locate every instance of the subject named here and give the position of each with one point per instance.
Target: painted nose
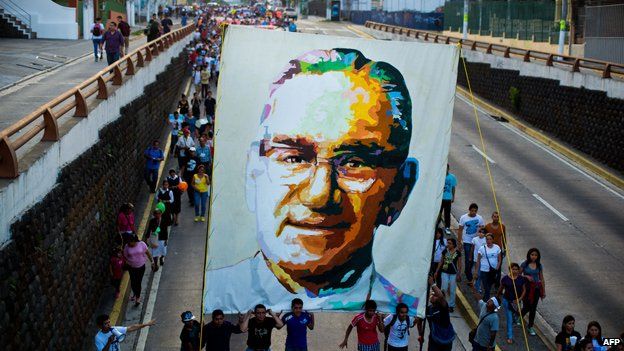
(317, 191)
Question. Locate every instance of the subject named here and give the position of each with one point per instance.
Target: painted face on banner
(328, 159)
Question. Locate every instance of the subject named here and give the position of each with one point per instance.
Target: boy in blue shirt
(297, 322)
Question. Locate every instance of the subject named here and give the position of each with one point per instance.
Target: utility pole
(563, 25)
(465, 29)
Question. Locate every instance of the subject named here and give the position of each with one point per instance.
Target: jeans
(449, 283)
(111, 57)
(509, 316)
(530, 307)
(96, 47)
(290, 348)
(434, 346)
(136, 277)
(446, 208)
(487, 284)
(200, 198)
(151, 177)
(468, 260)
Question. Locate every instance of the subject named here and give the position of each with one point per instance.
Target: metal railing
(46, 116)
(19, 13)
(605, 69)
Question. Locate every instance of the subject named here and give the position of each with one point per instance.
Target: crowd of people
(476, 252)
(518, 292)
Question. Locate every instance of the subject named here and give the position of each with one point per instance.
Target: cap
(495, 302)
(187, 316)
(192, 148)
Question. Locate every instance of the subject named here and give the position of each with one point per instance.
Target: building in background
(38, 19)
(417, 14)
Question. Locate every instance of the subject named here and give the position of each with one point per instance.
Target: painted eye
(293, 159)
(357, 163)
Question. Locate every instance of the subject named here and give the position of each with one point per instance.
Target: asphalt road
(547, 202)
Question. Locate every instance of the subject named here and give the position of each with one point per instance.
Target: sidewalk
(73, 64)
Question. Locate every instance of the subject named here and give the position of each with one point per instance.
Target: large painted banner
(330, 158)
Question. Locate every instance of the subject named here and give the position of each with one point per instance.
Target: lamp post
(563, 26)
(465, 28)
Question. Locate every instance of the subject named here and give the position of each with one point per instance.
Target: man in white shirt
(469, 225)
(108, 338)
(396, 328)
(97, 36)
(185, 142)
(488, 262)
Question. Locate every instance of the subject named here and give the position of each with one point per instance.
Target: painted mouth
(315, 226)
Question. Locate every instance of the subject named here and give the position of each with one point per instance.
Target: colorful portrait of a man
(329, 166)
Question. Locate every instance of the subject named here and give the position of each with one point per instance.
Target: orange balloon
(183, 186)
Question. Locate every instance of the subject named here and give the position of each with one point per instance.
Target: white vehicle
(289, 12)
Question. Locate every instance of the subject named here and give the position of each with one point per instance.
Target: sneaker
(137, 302)
(196, 218)
(96, 59)
(532, 331)
(447, 231)
(132, 298)
(162, 260)
(451, 309)
(202, 218)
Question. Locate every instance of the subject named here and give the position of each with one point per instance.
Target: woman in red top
(125, 222)
(367, 324)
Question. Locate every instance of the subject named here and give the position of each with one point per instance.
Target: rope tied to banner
(493, 190)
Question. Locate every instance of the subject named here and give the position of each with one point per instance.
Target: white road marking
(149, 310)
(483, 154)
(544, 148)
(587, 175)
(559, 214)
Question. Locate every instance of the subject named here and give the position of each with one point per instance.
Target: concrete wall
(32, 185)
(51, 20)
(588, 120)
(53, 270)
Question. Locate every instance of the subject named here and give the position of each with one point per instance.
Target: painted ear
(397, 195)
(252, 170)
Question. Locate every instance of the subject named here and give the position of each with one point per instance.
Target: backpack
(97, 30)
(389, 326)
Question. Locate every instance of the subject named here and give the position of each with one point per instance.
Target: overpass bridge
(62, 165)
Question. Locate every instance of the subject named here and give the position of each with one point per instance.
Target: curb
(583, 161)
(360, 32)
(119, 307)
(31, 76)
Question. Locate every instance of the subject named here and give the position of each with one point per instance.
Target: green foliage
(514, 97)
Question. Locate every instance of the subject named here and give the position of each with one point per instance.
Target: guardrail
(45, 117)
(605, 69)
